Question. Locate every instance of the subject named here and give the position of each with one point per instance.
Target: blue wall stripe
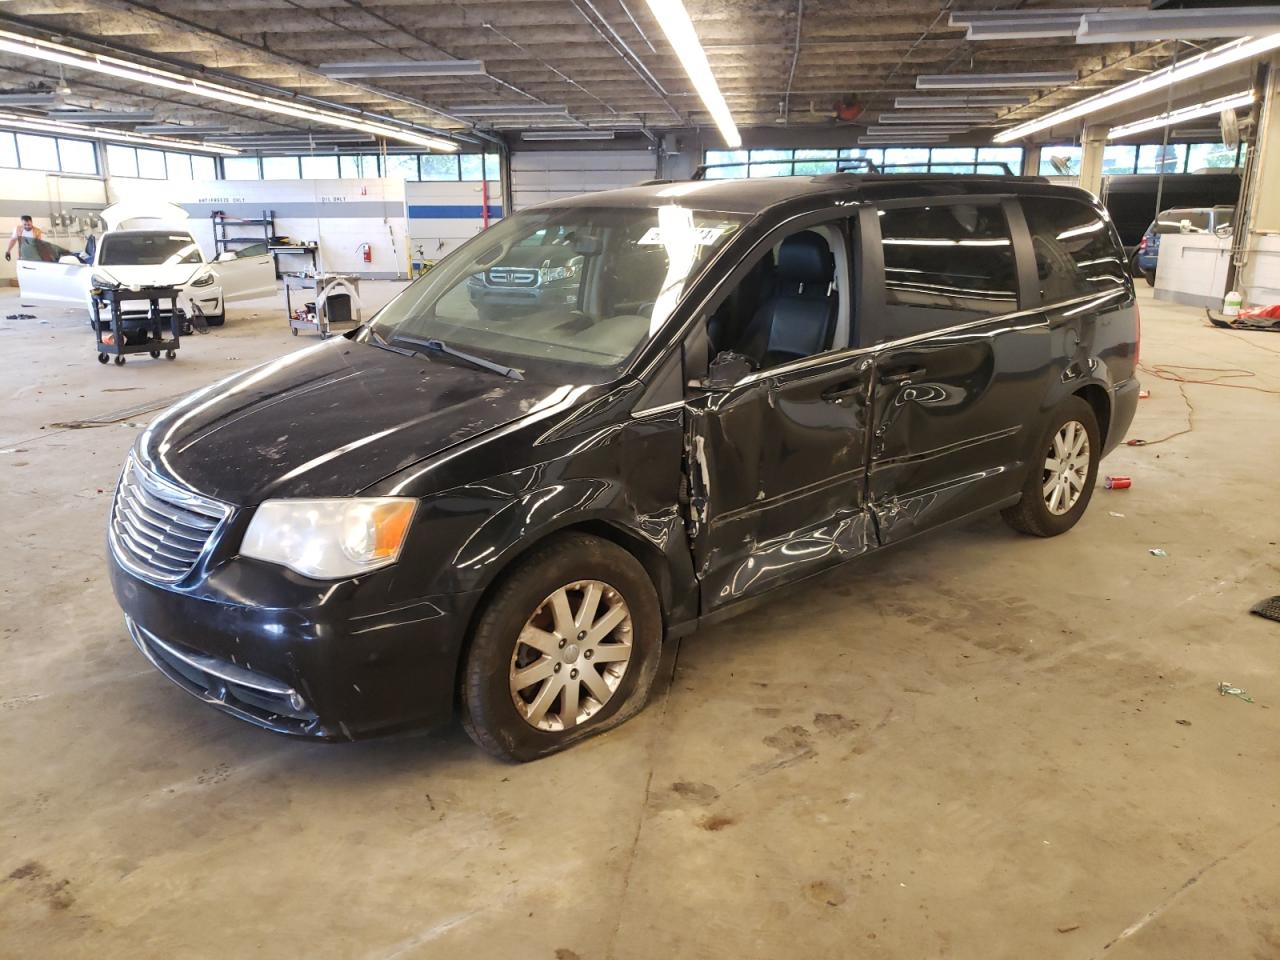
(451, 211)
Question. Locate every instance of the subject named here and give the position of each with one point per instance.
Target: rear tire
(1059, 481)
(525, 687)
(1150, 277)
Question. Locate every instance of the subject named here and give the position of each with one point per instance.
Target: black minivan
(507, 514)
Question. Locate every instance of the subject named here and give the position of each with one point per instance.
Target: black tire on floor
(1150, 277)
(489, 713)
(1031, 515)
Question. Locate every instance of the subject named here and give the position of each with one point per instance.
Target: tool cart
(337, 300)
(121, 331)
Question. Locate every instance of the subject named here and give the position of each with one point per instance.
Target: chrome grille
(512, 277)
(158, 529)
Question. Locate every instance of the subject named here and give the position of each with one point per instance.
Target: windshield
(577, 287)
(148, 249)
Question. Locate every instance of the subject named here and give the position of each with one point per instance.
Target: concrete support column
(1259, 279)
(1091, 146)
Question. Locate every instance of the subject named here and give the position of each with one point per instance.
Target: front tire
(1060, 480)
(216, 319)
(566, 647)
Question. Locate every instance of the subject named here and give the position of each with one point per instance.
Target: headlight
(103, 282)
(328, 539)
(550, 274)
(204, 280)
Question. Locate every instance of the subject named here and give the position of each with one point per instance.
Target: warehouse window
(157, 165)
(1157, 158)
(280, 168)
(241, 168)
(8, 150)
(1061, 161)
(807, 161)
(1151, 158)
(401, 166)
(472, 165)
(37, 153)
(77, 156)
(319, 168)
(179, 165)
(439, 166)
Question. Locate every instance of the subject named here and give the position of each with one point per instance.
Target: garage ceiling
(606, 62)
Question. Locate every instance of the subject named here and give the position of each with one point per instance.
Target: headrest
(805, 258)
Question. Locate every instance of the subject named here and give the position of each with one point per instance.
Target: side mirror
(226, 256)
(70, 259)
(727, 369)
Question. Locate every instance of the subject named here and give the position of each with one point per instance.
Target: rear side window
(1077, 251)
(945, 264)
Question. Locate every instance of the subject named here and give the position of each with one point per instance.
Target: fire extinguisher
(366, 252)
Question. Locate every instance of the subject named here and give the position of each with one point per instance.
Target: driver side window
(793, 302)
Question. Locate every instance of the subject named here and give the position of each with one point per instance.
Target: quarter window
(945, 264)
(1077, 251)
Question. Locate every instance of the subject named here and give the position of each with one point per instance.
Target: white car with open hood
(146, 245)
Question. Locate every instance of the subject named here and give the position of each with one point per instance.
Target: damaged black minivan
(506, 513)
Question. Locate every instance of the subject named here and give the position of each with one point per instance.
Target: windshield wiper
(439, 346)
(380, 341)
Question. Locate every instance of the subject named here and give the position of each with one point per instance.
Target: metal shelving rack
(223, 242)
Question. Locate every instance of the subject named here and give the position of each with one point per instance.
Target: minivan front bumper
(326, 669)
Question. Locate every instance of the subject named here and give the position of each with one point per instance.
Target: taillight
(1142, 244)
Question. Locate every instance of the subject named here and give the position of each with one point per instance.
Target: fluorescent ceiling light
(915, 131)
(963, 18)
(28, 99)
(102, 116)
(567, 135)
(1198, 66)
(963, 101)
(994, 81)
(177, 130)
(402, 68)
(301, 135)
(949, 116)
(674, 20)
(1014, 27)
(1123, 26)
(910, 139)
(1208, 109)
(15, 121)
(22, 46)
(510, 110)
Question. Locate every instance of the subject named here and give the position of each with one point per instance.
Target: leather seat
(798, 319)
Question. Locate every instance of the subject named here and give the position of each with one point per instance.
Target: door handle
(902, 375)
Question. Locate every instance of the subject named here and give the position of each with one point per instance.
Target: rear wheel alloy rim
(1066, 468)
(571, 655)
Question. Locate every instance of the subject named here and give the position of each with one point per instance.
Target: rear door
(42, 275)
(961, 370)
(250, 275)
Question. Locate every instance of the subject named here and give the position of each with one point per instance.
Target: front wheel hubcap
(571, 655)
(1066, 468)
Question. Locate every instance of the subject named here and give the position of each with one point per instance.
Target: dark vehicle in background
(1216, 220)
(1133, 199)
(506, 513)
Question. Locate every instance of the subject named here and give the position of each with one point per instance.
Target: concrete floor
(981, 746)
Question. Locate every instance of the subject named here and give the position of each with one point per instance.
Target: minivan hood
(328, 421)
(155, 275)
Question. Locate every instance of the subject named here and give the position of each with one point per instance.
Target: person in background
(26, 230)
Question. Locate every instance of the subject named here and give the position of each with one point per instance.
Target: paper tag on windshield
(702, 236)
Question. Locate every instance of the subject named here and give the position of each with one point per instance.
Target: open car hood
(143, 214)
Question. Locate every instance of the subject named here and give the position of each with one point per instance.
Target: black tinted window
(1077, 251)
(945, 264)
(148, 249)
